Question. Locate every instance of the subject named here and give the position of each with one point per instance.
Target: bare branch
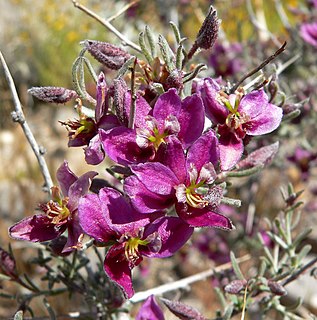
(124, 9)
(108, 25)
(258, 68)
(183, 283)
(18, 116)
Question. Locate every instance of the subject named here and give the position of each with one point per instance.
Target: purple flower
(213, 245)
(59, 214)
(237, 116)
(110, 219)
(186, 181)
(308, 32)
(150, 310)
(224, 61)
(84, 131)
(170, 117)
(304, 160)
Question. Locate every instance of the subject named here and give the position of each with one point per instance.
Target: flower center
(154, 134)
(56, 209)
(157, 138)
(131, 249)
(195, 196)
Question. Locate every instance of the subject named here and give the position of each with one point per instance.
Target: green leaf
(166, 53)
(151, 39)
(304, 252)
(176, 32)
(228, 312)
(125, 67)
(235, 266)
(145, 51)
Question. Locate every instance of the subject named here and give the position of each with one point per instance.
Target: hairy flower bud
(276, 288)
(53, 94)
(208, 32)
(108, 54)
(7, 264)
(235, 286)
(119, 90)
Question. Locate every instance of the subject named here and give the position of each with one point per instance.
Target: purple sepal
(150, 310)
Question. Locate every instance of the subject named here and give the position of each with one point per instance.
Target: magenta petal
(172, 155)
(79, 188)
(120, 216)
(204, 150)
(74, 233)
(142, 109)
(92, 218)
(308, 31)
(168, 103)
(150, 310)
(94, 153)
(231, 150)
(191, 120)
(117, 268)
(267, 122)
(208, 90)
(120, 146)
(65, 177)
(254, 103)
(37, 228)
(203, 217)
(156, 177)
(144, 200)
(173, 233)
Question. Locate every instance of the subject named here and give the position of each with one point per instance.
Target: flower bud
(108, 54)
(208, 32)
(53, 94)
(235, 286)
(7, 264)
(276, 288)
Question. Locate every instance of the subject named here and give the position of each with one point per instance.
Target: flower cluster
(172, 164)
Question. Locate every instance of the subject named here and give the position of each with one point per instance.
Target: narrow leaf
(235, 266)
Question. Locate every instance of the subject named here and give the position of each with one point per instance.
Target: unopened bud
(276, 288)
(174, 80)
(235, 286)
(208, 32)
(53, 94)
(120, 89)
(108, 54)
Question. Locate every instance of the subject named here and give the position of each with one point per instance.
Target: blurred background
(41, 39)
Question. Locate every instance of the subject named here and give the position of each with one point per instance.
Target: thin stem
(258, 68)
(124, 9)
(295, 275)
(133, 97)
(108, 25)
(183, 283)
(18, 116)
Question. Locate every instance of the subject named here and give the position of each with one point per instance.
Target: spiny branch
(108, 25)
(258, 68)
(18, 116)
(183, 283)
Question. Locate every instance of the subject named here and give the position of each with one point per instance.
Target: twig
(108, 25)
(133, 97)
(18, 116)
(258, 68)
(295, 275)
(279, 70)
(183, 283)
(124, 9)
